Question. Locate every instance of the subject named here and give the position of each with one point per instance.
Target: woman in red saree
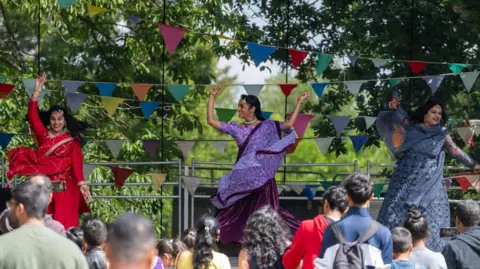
(59, 156)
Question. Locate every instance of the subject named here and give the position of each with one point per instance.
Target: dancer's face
(433, 116)
(245, 111)
(57, 121)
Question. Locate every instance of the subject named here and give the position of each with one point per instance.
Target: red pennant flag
(297, 57)
(416, 67)
(172, 36)
(120, 174)
(291, 149)
(287, 88)
(464, 183)
(301, 123)
(5, 89)
(141, 90)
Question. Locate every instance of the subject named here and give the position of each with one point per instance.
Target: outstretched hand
(40, 81)
(303, 97)
(214, 91)
(394, 103)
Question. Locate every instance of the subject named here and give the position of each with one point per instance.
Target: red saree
(58, 157)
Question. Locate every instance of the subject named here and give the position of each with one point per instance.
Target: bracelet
(390, 105)
(80, 184)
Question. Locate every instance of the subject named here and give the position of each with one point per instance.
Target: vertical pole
(185, 202)
(38, 37)
(287, 64)
(179, 198)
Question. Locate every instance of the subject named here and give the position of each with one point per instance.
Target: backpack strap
(338, 234)
(371, 230)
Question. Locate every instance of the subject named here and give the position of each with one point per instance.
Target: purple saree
(251, 184)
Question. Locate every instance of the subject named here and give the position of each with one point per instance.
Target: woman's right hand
(394, 103)
(40, 81)
(214, 91)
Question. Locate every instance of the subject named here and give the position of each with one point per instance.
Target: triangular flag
(5, 140)
(75, 100)
(379, 63)
(110, 104)
(266, 114)
(220, 146)
(93, 10)
(72, 86)
(178, 91)
(358, 141)
(340, 123)
(225, 114)
(88, 170)
(253, 89)
(369, 121)
(141, 90)
(281, 188)
(114, 145)
(323, 144)
(297, 187)
(185, 147)
(134, 20)
(301, 123)
(416, 67)
(469, 79)
(353, 60)
(297, 57)
(106, 88)
(377, 189)
(474, 180)
(318, 88)
(120, 175)
(464, 183)
(260, 53)
(5, 89)
(172, 36)
(287, 88)
(466, 133)
(354, 85)
(157, 180)
(458, 68)
(394, 81)
(66, 3)
(148, 108)
(2, 78)
(151, 146)
(323, 61)
(310, 192)
(192, 184)
(434, 82)
(327, 184)
(29, 84)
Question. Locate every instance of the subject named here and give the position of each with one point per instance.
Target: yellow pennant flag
(111, 103)
(221, 88)
(224, 37)
(93, 10)
(157, 180)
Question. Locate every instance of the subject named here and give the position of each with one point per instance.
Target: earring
(218, 238)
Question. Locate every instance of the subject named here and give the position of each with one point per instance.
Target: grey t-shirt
(428, 258)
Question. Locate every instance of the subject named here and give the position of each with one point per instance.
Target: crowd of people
(345, 236)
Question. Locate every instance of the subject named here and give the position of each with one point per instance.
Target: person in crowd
(76, 235)
(95, 235)
(418, 143)
(308, 239)
(168, 251)
(402, 247)
(417, 224)
(131, 243)
(59, 156)
(7, 225)
(463, 252)
(33, 245)
(188, 237)
(356, 222)
(266, 238)
(204, 255)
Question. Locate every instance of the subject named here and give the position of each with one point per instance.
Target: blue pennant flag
(66, 3)
(105, 88)
(358, 141)
(148, 108)
(134, 20)
(310, 192)
(260, 52)
(5, 140)
(318, 88)
(266, 114)
(178, 91)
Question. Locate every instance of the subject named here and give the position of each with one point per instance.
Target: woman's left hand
(302, 97)
(86, 192)
(477, 167)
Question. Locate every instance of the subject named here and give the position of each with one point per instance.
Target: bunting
(171, 36)
(72, 86)
(220, 146)
(178, 91)
(310, 192)
(114, 145)
(148, 108)
(29, 84)
(5, 140)
(354, 85)
(369, 121)
(287, 88)
(323, 61)
(93, 10)
(191, 183)
(297, 57)
(88, 170)
(5, 90)
(291, 149)
(134, 20)
(151, 146)
(75, 100)
(464, 184)
(469, 79)
(473, 180)
(297, 187)
(225, 114)
(120, 175)
(352, 60)
(157, 180)
(394, 81)
(318, 88)
(266, 114)
(185, 147)
(340, 123)
(66, 3)
(106, 88)
(260, 53)
(458, 68)
(466, 133)
(253, 89)
(379, 63)
(327, 184)
(377, 189)
(416, 66)
(323, 144)
(434, 82)
(358, 141)
(301, 123)
(141, 90)
(110, 104)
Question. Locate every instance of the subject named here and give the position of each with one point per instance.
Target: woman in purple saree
(251, 184)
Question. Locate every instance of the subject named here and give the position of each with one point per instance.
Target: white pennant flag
(185, 147)
(253, 89)
(297, 187)
(88, 170)
(323, 144)
(220, 145)
(192, 184)
(354, 85)
(29, 84)
(369, 121)
(466, 133)
(474, 180)
(469, 79)
(115, 145)
(281, 188)
(379, 62)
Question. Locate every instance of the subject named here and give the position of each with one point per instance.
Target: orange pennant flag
(141, 90)
(93, 10)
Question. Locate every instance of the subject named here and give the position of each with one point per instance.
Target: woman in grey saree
(418, 145)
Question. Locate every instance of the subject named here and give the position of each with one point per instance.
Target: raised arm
(459, 154)
(210, 107)
(33, 118)
(289, 124)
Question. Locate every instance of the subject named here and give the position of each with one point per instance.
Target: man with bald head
(8, 224)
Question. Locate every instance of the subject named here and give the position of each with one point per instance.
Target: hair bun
(414, 214)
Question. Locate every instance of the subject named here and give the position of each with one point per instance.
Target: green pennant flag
(225, 114)
(216, 40)
(394, 81)
(327, 184)
(458, 68)
(323, 60)
(178, 91)
(377, 189)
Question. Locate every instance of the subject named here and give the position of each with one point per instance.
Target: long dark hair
(253, 101)
(170, 246)
(76, 128)
(266, 237)
(207, 229)
(416, 223)
(420, 113)
(189, 236)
